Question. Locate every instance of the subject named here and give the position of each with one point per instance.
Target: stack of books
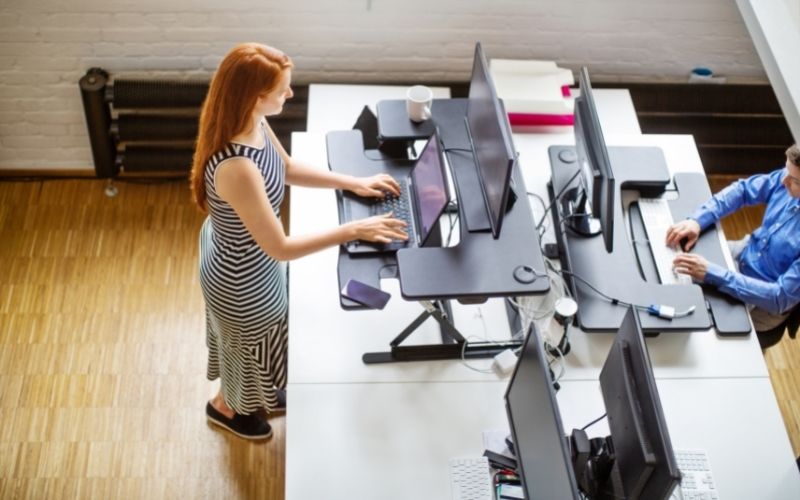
(534, 92)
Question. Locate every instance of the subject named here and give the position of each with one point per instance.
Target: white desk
(387, 431)
(330, 342)
(336, 107)
(393, 441)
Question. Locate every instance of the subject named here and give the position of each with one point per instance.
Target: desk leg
(453, 345)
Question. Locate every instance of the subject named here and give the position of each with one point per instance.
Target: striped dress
(245, 292)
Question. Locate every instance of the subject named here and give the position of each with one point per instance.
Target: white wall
(47, 45)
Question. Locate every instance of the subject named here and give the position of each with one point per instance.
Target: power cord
(601, 417)
(466, 150)
(556, 198)
(485, 338)
(660, 310)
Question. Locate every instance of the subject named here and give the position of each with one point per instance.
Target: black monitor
(644, 456)
(543, 457)
(490, 135)
(643, 464)
(589, 208)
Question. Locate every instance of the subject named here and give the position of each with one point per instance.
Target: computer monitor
(490, 136)
(543, 457)
(589, 208)
(644, 464)
(642, 446)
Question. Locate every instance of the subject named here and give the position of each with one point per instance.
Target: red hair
(249, 71)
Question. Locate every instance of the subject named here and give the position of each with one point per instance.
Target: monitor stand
(576, 216)
(595, 467)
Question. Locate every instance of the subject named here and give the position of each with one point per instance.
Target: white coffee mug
(419, 99)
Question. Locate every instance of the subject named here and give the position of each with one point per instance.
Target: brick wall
(47, 45)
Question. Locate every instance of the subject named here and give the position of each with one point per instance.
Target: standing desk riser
(479, 266)
(618, 274)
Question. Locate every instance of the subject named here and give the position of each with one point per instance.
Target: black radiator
(141, 126)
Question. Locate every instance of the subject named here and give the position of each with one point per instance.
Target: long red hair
(248, 71)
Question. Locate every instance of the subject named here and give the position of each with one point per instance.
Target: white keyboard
(697, 483)
(470, 478)
(657, 219)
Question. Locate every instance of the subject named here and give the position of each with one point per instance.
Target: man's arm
(751, 191)
(776, 297)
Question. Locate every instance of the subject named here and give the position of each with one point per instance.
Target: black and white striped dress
(245, 292)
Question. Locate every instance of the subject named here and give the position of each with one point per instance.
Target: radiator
(141, 126)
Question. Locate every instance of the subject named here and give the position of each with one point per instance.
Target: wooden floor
(102, 352)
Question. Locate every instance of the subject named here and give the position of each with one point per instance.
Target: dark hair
(793, 155)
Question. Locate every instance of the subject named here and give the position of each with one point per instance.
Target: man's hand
(692, 264)
(688, 230)
(375, 186)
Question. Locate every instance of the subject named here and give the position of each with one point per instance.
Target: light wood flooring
(102, 351)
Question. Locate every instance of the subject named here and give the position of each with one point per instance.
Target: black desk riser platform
(623, 273)
(477, 268)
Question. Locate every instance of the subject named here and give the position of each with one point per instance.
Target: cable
(466, 150)
(560, 357)
(484, 339)
(453, 221)
(613, 300)
(464, 350)
(557, 197)
(660, 310)
(601, 417)
(539, 199)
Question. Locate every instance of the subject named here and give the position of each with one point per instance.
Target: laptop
(423, 197)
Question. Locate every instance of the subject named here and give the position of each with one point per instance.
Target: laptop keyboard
(397, 205)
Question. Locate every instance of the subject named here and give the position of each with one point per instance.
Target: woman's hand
(380, 228)
(692, 264)
(375, 186)
(688, 230)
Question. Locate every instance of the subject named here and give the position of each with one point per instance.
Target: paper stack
(534, 92)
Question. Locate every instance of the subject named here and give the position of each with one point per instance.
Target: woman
(238, 177)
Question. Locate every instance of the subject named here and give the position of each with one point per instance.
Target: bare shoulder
(236, 174)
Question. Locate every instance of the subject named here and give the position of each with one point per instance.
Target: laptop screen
(430, 187)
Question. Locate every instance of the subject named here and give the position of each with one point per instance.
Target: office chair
(367, 123)
(771, 337)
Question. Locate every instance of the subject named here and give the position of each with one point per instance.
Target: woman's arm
(240, 184)
(299, 173)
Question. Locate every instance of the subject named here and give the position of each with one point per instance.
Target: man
(768, 260)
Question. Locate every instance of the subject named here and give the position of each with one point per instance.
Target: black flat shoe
(244, 426)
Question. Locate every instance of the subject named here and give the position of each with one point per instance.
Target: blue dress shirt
(769, 265)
